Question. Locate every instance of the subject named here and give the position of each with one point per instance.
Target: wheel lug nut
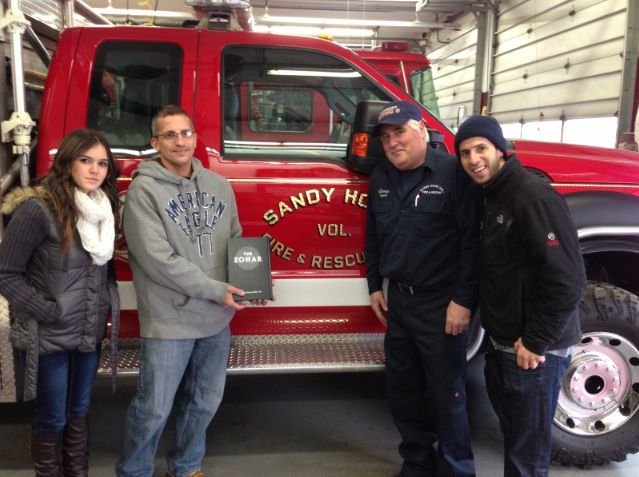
(585, 368)
(581, 399)
(576, 378)
(615, 380)
(592, 403)
(608, 369)
(597, 365)
(574, 390)
(605, 400)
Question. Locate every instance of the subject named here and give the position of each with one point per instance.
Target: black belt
(412, 290)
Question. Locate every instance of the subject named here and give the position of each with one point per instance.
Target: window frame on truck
(100, 97)
(308, 151)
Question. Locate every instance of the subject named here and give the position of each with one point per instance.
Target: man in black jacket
(422, 233)
(532, 278)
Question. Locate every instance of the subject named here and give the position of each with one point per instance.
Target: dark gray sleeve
(27, 230)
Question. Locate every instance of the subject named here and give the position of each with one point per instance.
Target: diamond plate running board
(278, 354)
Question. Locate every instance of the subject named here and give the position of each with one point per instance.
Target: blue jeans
(65, 380)
(525, 401)
(191, 372)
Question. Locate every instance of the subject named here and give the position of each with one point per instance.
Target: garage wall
(49, 12)
(557, 58)
(453, 65)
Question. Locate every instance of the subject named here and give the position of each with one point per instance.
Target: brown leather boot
(46, 450)
(75, 447)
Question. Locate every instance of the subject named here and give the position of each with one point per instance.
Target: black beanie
(481, 126)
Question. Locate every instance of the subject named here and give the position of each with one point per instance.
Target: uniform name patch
(432, 189)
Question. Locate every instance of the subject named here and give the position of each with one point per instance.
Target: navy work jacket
(427, 236)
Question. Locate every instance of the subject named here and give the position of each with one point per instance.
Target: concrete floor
(313, 425)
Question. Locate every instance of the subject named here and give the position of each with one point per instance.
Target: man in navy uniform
(422, 234)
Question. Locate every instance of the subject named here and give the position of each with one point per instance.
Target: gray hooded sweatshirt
(177, 230)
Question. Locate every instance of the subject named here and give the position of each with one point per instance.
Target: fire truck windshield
(423, 89)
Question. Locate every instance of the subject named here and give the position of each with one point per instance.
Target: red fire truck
(411, 71)
(278, 117)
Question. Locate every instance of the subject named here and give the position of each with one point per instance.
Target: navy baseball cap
(396, 112)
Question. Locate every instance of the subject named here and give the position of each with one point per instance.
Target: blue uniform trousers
(425, 371)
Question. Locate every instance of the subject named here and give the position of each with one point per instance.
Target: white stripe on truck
(299, 292)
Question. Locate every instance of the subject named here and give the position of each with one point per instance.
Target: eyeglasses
(172, 135)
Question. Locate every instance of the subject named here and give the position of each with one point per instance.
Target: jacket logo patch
(383, 192)
(432, 189)
(500, 219)
(552, 240)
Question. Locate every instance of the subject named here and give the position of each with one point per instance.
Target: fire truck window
(282, 103)
(393, 78)
(130, 83)
(275, 109)
(423, 88)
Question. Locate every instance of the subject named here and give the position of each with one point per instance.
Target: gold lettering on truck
(301, 201)
(332, 230)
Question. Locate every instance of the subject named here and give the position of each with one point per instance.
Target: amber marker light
(360, 144)
(325, 36)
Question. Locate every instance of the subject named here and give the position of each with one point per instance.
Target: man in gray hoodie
(177, 220)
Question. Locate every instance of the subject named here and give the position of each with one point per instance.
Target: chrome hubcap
(600, 391)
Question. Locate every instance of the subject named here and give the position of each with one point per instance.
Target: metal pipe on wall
(5, 156)
(19, 97)
(87, 12)
(68, 10)
(19, 101)
(37, 46)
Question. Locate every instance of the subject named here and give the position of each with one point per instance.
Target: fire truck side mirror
(364, 151)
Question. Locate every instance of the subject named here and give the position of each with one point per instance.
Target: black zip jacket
(427, 236)
(532, 275)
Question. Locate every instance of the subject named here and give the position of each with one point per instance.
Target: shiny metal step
(278, 354)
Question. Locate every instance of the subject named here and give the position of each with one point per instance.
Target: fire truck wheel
(597, 419)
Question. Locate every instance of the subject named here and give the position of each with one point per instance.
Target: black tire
(609, 322)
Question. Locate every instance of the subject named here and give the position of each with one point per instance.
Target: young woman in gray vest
(57, 271)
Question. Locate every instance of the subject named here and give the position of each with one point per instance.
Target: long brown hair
(59, 186)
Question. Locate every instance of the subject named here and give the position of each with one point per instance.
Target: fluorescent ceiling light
(352, 23)
(310, 31)
(144, 13)
(329, 74)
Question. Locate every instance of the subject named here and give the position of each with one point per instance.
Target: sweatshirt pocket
(163, 301)
(170, 305)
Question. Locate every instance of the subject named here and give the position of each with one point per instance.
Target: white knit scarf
(96, 224)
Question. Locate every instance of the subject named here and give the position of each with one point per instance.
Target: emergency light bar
(394, 46)
(219, 4)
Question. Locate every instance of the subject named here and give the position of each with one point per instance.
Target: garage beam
(483, 61)
(452, 8)
(629, 69)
